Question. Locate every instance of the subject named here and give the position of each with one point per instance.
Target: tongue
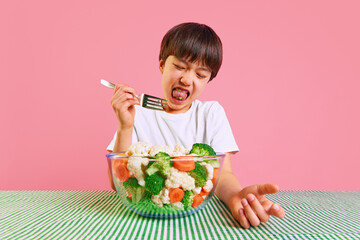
(178, 94)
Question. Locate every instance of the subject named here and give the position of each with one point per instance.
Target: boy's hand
(123, 101)
(250, 206)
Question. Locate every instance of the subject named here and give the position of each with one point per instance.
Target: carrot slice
(183, 165)
(119, 166)
(122, 173)
(197, 201)
(203, 193)
(176, 195)
(216, 171)
(120, 160)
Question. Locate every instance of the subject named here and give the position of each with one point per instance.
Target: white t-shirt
(204, 122)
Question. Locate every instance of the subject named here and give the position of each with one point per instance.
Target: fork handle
(107, 84)
(111, 85)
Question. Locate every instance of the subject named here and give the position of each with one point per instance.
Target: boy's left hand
(251, 207)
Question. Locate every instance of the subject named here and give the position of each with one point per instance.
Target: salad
(160, 179)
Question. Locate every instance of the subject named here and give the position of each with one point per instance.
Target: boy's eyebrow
(201, 68)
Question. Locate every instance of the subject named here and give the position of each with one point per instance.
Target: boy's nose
(186, 79)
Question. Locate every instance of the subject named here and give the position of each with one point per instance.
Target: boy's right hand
(123, 101)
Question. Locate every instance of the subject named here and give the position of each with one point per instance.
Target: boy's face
(182, 82)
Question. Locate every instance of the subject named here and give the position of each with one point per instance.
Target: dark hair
(193, 42)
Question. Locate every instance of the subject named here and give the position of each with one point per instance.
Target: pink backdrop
(289, 83)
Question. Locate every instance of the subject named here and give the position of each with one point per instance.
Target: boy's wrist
(123, 139)
(122, 129)
(227, 187)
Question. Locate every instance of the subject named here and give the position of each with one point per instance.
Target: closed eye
(201, 76)
(178, 67)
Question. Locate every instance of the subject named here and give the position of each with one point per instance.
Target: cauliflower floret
(196, 190)
(177, 179)
(180, 150)
(139, 149)
(156, 199)
(135, 167)
(178, 205)
(160, 148)
(208, 186)
(209, 170)
(161, 198)
(164, 196)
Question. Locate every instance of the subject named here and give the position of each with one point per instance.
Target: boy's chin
(179, 103)
(178, 107)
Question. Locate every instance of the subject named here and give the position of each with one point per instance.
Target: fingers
(123, 101)
(250, 211)
(250, 207)
(237, 211)
(124, 88)
(250, 215)
(277, 211)
(267, 188)
(242, 219)
(258, 209)
(123, 97)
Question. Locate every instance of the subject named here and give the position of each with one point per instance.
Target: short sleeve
(221, 136)
(112, 143)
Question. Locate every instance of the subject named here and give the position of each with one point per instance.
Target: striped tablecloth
(101, 215)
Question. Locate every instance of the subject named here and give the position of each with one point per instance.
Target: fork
(146, 101)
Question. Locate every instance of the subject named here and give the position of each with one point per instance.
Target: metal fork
(146, 101)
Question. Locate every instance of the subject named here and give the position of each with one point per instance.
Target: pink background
(289, 83)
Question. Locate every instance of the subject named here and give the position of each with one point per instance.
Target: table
(101, 215)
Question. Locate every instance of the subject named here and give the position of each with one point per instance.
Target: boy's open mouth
(180, 94)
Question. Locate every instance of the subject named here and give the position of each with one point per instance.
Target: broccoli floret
(187, 200)
(202, 149)
(162, 155)
(137, 192)
(161, 165)
(199, 174)
(150, 163)
(213, 162)
(154, 183)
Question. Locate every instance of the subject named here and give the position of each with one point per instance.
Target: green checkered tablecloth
(101, 215)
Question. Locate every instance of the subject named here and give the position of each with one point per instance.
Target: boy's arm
(123, 140)
(248, 205)
(228, 184)
(123, 102)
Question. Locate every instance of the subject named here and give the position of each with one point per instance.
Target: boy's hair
(193, 42)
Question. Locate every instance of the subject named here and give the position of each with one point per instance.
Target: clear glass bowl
(145, 205)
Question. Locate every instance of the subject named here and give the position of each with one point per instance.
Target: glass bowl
(193, 194)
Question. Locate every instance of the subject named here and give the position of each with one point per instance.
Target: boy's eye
(200, 76)
(178, 67)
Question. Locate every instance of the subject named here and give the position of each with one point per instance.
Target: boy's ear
(161, 66)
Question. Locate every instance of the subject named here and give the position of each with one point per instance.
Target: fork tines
(152, 102)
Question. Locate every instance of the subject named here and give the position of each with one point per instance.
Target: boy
(190, 57)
